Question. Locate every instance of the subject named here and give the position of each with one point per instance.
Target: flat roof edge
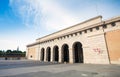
(33, 44)
(72, 26)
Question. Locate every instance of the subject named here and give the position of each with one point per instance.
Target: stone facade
(93, 41)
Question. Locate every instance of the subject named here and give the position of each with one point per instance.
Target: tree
(14, 53)
(2, 53)
(8, 51)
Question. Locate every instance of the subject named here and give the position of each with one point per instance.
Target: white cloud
(41, 17)
(43, 13)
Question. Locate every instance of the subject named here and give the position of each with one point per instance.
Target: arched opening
(56, 53)
(78, 52)
(65, 53)
(42, 54)
(48, 54)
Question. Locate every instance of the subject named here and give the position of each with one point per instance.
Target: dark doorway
(78, 52)
(42, 54)
(48, 54)
(65, 50)
(56, 53)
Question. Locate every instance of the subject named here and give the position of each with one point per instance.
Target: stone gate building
(93, 41)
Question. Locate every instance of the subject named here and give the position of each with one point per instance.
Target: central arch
(48, 54)
(42, 54)
(78, 52)
(65, 53)
(56, 53)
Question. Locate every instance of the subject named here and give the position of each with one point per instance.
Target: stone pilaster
(71, 60)
(51, 55)
(45, 56)
(60, 55)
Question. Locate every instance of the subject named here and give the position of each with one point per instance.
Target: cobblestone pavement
(40, 69)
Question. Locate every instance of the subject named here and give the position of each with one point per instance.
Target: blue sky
(23, 21)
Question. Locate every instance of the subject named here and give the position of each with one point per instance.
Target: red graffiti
(97, 50)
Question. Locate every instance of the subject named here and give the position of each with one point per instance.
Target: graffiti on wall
(97, 50)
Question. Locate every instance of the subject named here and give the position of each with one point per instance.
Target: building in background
(93, 41)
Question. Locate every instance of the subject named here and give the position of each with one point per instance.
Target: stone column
(52, 54)
(71, 60)
(45, 55)
(40, 55)
(60, 55)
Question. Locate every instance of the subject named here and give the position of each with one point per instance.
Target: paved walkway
(58, 70)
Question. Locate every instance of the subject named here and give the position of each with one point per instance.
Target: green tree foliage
(2, 53)
(10, 53)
